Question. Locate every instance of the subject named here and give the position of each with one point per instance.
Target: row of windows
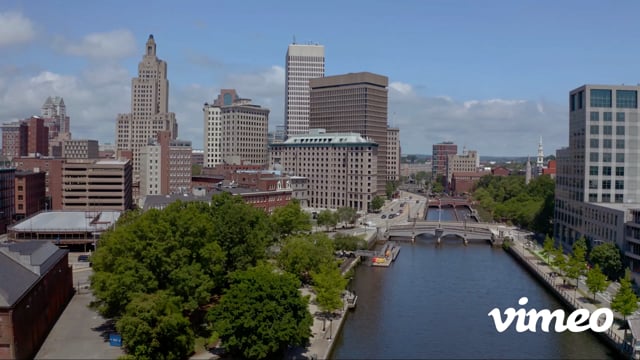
(606, 157)
(606, 170)
(606, 130)
(606, 143)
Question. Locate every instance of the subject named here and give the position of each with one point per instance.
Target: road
(410, 210)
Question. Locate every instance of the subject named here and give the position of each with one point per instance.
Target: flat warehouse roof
(68, 221)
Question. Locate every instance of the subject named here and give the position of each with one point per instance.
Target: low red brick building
(550, 169)
(500, 171)
(53, 176)
(35, 287)
(465, 182)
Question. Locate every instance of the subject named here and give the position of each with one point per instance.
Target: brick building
(35, 287)
(30, 194)
(7, 198)
(53, 177)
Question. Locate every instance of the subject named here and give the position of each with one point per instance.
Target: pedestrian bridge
(465, 230)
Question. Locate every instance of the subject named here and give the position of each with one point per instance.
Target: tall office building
(598, 174)
(440, 155)
(54, 113)
(304, 62)
(165, 166)
(355, 102)
(393, 154)
(149, 107)
(235, 131)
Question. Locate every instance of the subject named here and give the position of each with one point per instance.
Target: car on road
(83, 258)
(383, 216)
(391, 216)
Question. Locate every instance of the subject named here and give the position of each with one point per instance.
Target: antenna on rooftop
(294, 39)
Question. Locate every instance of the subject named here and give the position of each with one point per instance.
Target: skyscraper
(440, 155)
(54, 112)
(598, 177)
(304, 62)
(149, 107)
(355, 102)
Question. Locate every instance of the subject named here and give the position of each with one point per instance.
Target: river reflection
(432, 303)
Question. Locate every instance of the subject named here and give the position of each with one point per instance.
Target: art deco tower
(304, 62)
(149, 107)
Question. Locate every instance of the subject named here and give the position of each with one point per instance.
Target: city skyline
(458, 71)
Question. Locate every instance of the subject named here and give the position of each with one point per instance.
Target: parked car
(391, 216)
(383, 216)
(83, 258)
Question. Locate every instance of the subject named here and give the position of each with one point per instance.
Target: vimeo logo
(528, 320)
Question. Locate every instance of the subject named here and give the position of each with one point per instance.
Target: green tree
(153, 327)
(596, 281)
(576, 265)
(290, 219)
(327, 218)
(548, 247)
(172, 249)
(436, 186)
(559, 260)
(243, 231)
(377, 203)
(607, 255)
(347, 215)
(421, 176)
(390, 188)
(349, 242)
(303, 254)
(262, 313)
(328, 283)
(625, 300)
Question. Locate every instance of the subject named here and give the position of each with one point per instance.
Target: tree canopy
(377, 203)
(290, 219)
(153, 327)
(329, 284)
(596, 281)
(262, 313)
(625, 300)
(301, 255)
(607, 256)
(327, 218)
(508, 198)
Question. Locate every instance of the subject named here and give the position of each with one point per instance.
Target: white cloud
(496, 127)
(402, 88)
(15, 28)
(109, 45)
(93, 109)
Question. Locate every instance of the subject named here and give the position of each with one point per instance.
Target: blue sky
(489, 75)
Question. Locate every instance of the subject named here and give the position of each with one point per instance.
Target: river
(433, 303)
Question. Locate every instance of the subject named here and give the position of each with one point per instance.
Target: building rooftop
(52, 221)
(112, 162)
(22, 265)
(319, 137)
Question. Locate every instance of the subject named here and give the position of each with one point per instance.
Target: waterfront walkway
(565, 288)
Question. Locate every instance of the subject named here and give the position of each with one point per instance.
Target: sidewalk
(572, 297)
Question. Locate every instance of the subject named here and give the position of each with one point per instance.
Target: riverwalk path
(528, 254)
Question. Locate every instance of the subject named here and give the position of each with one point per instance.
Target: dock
(388, 255)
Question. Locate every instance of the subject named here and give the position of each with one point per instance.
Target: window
(619, 144)
(600, 98)
(619, 130)
(619, 184)
(595, 116)
(573, 102)
(593, 184)
(593, 197)
(620, 116)
(606, 198)
(619, 170)
(595, 129)
(594, 143)
(20, 188)
(20, 197)
(606, 170)
(606, 184)
(593, 156)
(593, 170)
(627, 99)
(619, 198)
(607, 130)
(607, 116)
(620, 157)
(606, 157)
(606, 143)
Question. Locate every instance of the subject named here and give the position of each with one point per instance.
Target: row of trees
(508, 198)
(224, 270)
(598, 275)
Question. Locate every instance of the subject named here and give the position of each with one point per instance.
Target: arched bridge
(466, 230)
